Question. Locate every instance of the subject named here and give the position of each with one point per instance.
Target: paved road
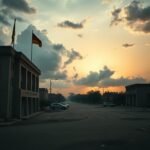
(82, 127)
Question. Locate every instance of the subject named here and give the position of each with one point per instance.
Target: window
(23, 78)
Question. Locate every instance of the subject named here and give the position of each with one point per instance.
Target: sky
(86, 44)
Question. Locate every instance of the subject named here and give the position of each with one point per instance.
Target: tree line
(95, 97)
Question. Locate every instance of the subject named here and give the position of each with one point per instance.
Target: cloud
(143, 28)
(75, 76)
(80, 35)
(106, 1)
(59, 47)
(8, 13)
(104, 78)
(122, 81)
(134, 16)
(116, 18)
(105, 73)
(126, 45)
(90, 80)
(69, 24)
(46, 58)
(72, 55)
(60, 84)
(19, 5)
(93, 78)
(57, 85)
(135, 12)
(74, 69)
(55, 75)
(4, 19)
(49, 57)
(4, 35)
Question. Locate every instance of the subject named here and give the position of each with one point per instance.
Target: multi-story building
(138, 95)
(19, 84)
(43, 94)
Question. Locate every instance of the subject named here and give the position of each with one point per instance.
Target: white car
(59, 106)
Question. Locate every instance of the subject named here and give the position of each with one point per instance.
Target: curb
(14, 121)
(2, 124)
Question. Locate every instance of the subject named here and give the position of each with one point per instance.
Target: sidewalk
(14, 121)
(9, 122)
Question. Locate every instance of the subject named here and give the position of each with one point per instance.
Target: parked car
(62, 106)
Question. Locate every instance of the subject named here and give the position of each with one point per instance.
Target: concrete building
(19, 84)
(43, 94)
(138, 95)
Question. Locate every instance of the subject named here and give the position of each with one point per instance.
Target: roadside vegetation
(95, 97)
(52, 98)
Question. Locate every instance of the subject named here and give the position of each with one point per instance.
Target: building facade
(138, 95)
(43, 94)
(19, 84)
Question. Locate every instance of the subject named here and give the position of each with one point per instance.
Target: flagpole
(13, 34)
(50, 86)
(13, 45)
(31, 46)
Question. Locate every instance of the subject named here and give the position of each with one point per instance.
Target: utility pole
(50, 88)
(103, 90)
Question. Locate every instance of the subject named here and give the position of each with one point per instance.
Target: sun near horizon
(86, 45)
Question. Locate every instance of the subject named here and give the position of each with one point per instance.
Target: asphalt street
(81, 127)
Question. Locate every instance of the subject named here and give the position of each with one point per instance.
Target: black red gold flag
(36, 40)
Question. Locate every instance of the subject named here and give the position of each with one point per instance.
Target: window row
(29, 81)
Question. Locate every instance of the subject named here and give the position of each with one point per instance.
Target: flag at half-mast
(13, 33)
(36, 40)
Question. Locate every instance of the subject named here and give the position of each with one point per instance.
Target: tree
(91, 97)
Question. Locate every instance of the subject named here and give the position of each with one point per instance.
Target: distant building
(108, 98)
(19, 84)
(114, 98)
(56, 98)
(138, 95)
(43, 94)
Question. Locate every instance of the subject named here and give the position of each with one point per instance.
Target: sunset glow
(87, 44)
